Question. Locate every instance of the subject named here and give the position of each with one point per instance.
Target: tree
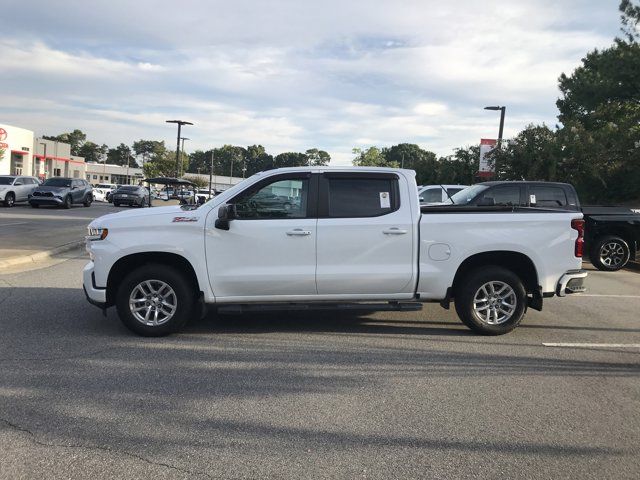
(121, 155)
(290, 159)
(630, 18)
(533, 154)
(163, 165)
(148, 148)
(413, 157)
(93, 152)
(372, 157)
(460, 168)
(317, 158)
(600, 135)
(76, 139)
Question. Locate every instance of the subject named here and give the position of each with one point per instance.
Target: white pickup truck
(330, 238)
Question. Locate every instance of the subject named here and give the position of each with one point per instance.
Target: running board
(356, 307)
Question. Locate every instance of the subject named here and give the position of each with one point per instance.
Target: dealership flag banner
(486, 145)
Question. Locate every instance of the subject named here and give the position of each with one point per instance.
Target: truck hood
(159, 214)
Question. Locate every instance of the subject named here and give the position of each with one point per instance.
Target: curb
(40, 256)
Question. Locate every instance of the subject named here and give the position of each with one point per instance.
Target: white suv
(16, 188)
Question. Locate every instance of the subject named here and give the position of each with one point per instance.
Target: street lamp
(180, 123)
(183, 139)
(502, 110)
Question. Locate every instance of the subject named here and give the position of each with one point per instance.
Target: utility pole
(180, 164)
(210, 174)
(180, 123)
(231, 174)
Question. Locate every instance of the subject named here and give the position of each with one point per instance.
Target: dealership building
(22, 153)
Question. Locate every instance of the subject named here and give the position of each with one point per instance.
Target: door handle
(394, 231)
(298, 232)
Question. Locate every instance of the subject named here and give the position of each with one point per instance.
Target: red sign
(3, 134)
(486, 145)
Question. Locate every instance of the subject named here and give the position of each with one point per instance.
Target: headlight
(97, 234)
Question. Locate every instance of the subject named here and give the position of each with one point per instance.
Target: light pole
(180, 123)
(180, 164)
(502, 110)
(210, 173)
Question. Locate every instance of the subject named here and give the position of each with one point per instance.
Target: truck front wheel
(490, 300)
(609, 253)
(155, 300)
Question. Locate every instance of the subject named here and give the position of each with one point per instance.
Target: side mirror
(17, 184)
(226, 213)
(486, 202)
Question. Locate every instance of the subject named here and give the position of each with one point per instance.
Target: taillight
(578, 224)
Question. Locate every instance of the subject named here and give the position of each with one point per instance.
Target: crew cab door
(365, 235)
(269, 251)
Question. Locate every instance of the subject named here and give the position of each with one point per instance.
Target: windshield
(57, 182)
(6, 180)
(463, 197)
(128, 189)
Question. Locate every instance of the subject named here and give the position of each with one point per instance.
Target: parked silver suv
(16, 188)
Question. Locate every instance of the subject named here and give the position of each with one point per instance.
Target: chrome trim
(561, 289)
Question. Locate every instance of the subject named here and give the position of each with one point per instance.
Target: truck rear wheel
(155, 300)
(609, 253)
(491, 300)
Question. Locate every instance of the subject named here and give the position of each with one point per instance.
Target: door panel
(365, 255)
(270, 249)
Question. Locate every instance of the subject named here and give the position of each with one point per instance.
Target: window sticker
(532, 199)
(385, 201)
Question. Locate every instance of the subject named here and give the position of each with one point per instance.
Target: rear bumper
(571, 282)
(95, 296)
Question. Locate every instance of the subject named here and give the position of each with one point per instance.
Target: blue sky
(293, 75)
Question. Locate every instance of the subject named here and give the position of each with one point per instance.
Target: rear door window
(547, 196)
(503, 195)
(352, 197)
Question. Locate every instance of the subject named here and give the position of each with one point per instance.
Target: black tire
(185, 299)
(471, 285)
(609, 253)
(116, 204)
(34, 205)
(67, 202)
(87, 201)
(9, 200)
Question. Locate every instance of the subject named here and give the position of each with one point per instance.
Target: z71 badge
(184, 219)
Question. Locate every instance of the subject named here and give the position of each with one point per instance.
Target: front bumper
(95, 295)
(571, 282)
(45, 200)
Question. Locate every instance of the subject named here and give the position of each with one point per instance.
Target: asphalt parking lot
(25, 230)
(299, 395)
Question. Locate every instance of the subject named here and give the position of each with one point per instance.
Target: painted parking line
(14, 223)
(592, 345)
(601, 295)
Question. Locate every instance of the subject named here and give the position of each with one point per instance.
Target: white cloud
(293, 75)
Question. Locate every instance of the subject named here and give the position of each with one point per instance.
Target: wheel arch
(130, 262)
(517, 262)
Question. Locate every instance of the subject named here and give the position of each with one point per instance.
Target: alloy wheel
(495, 302)
(153, 302)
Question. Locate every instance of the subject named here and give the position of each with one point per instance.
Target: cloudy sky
(293, 74)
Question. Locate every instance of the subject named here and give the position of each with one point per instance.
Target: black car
(130, 195)
(62, 192)
(612, 234)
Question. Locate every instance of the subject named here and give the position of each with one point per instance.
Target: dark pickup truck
(612, 234)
